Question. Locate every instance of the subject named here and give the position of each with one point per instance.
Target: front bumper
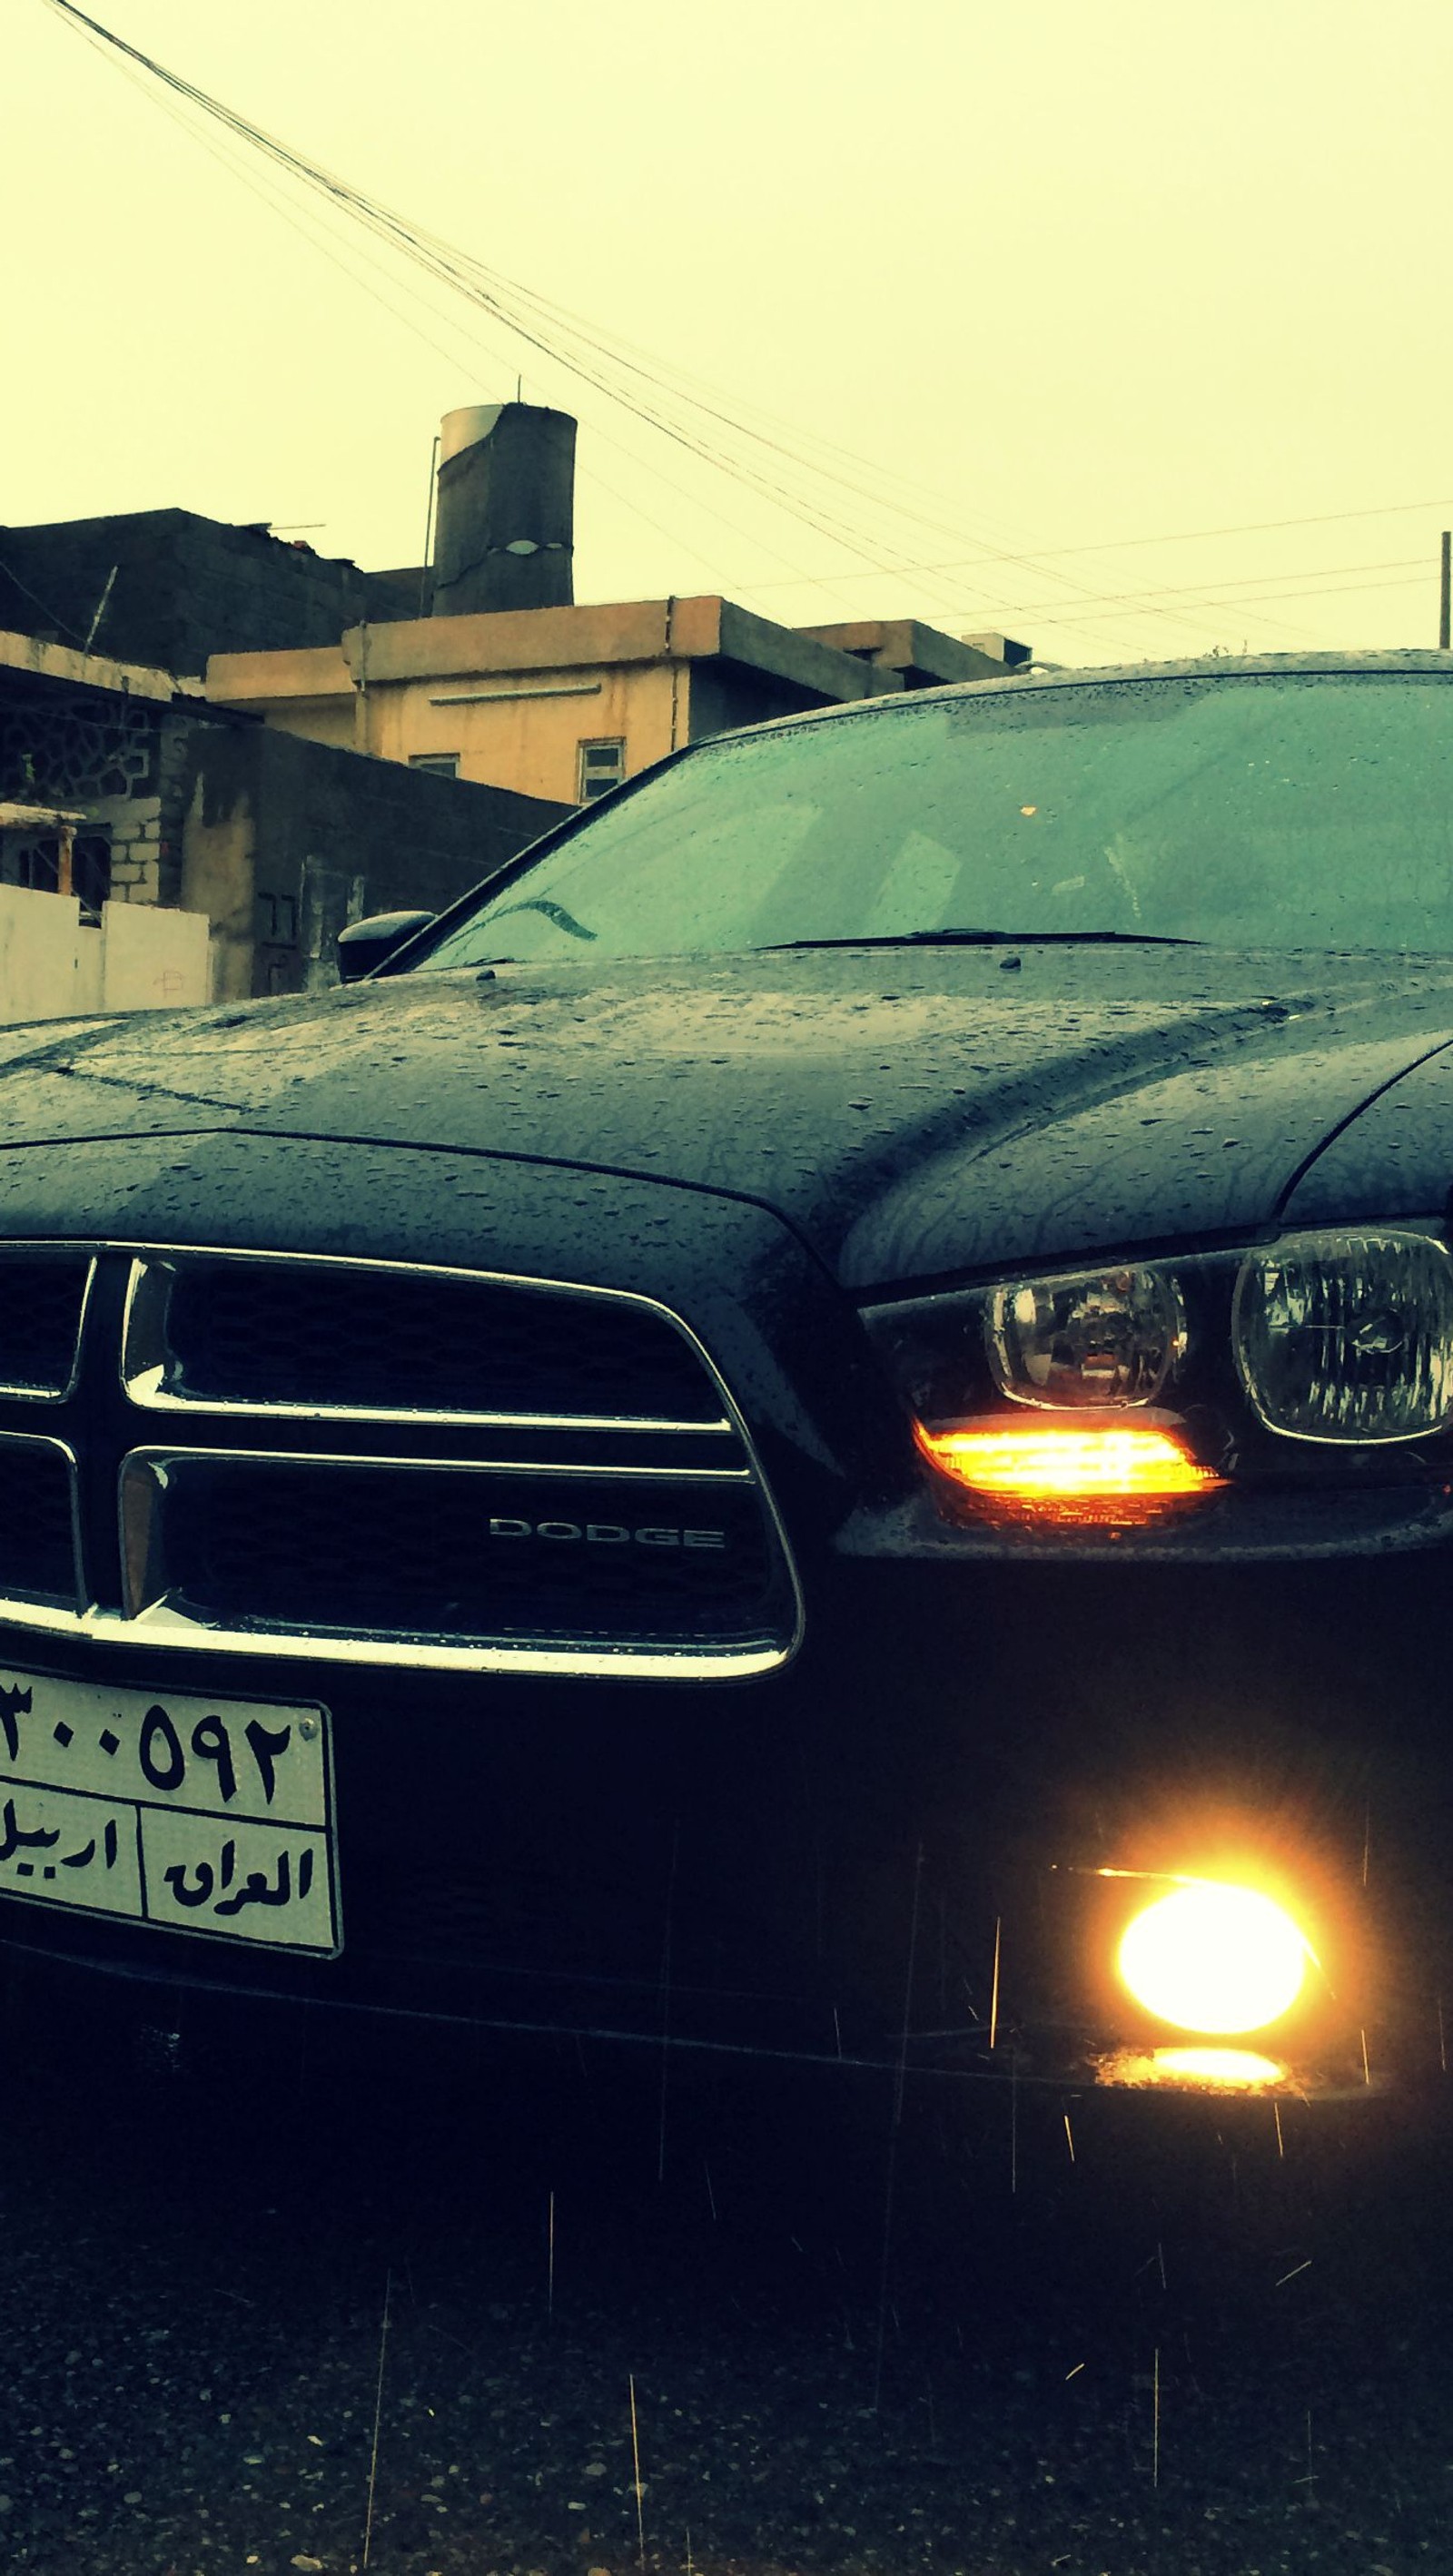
(924, 1804)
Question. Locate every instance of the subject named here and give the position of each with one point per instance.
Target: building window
(30, 859)
(602, 766)
(277, 920)
(439, 764)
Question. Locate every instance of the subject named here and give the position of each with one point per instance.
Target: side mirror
(365, 944)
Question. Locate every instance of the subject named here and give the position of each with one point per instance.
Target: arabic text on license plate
(201, 1815)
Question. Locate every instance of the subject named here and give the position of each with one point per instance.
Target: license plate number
(197, 1815)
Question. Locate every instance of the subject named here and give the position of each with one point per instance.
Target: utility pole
(1445, 593)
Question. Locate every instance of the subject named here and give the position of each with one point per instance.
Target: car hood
(912, 1114)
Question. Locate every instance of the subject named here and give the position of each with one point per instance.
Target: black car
(821, 1422)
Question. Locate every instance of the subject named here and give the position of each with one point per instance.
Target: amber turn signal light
(1069, 1471)
(1194, 2070)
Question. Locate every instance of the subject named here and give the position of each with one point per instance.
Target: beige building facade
(564, 702)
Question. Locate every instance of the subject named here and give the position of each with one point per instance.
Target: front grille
(37, 1543)
(370, 1548)
(319, 1337)
(413, 1466)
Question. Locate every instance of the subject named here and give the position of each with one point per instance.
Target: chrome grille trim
(159, 1624)
(562, 1660)
(160, 1621)
(149, 1396)
(163, 1453)
(145, 1357)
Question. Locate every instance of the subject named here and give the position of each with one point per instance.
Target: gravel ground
(616, 2341)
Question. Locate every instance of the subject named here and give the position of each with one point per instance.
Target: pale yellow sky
(1093, 281)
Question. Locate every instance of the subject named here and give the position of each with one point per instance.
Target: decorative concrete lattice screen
(77, 752)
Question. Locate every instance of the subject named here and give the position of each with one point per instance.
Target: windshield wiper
(994, 939)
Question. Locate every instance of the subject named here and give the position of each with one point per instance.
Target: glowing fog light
(1214, 1958)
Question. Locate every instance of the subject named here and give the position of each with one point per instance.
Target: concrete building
(280, 741)
(921, 657)
(508, 682)
(164, 588)
(149, 799)
(554, 702)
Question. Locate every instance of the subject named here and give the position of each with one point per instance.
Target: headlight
(1347, 1336)
(1096, 1337)
(1341, 1338)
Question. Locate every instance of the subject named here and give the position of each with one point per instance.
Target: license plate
(198, 1815)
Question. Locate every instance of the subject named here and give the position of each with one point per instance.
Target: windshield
(1307, 810)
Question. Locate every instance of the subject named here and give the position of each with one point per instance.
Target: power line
(770, 460)
(323, 241)
(44, 606)
(1351, 589)
(1252, 527)
(1183, 536)
(455, 266)
(561, 338)
(1198, 595)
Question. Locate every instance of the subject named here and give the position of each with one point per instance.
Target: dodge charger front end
(841, 1384)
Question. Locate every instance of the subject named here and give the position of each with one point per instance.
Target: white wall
(54, 966)
(38, 963)
(151, 960)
